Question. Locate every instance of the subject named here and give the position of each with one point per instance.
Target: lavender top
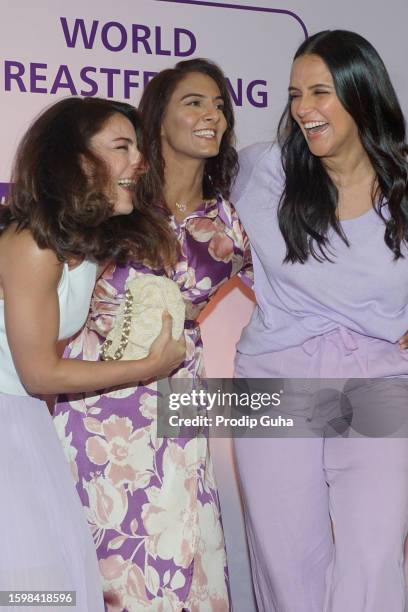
(364, 290)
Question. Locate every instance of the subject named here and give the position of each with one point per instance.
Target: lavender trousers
(326, 518)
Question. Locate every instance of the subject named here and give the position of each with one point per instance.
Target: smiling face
(329, 130)
(116, 145)
(194, 123)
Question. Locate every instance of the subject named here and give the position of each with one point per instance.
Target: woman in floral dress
(152, 503)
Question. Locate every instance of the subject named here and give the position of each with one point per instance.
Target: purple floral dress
(152, 503)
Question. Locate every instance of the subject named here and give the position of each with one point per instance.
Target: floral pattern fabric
(152, 503)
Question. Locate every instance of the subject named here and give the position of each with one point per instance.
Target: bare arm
(30, 278)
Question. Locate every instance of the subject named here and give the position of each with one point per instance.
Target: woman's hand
(166, 353)
(403, 341)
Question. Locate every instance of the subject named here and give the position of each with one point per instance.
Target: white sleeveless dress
(45, 542)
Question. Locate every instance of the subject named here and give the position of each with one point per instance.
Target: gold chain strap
(127, 318)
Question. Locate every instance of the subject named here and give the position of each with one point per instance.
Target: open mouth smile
(209, 134)
(127, 183)
(315, 127)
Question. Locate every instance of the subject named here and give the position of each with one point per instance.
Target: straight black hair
(308, 204)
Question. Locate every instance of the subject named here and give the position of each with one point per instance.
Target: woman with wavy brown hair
(152, 503)
(72, 186)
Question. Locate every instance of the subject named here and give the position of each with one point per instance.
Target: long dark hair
(65, 209)
(308, 205)
(219, 171)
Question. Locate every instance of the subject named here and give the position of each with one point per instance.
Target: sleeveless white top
(74, 296)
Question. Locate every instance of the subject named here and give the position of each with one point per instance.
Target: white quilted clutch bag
(139, 318)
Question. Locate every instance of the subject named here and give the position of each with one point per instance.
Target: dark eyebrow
(291, 87)
(321, 85)
(197, 95)
(123, 138)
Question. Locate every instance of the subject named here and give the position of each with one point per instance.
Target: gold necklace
(181, 206)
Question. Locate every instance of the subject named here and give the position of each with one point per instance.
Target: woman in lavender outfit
(326, 213)
(152, 503)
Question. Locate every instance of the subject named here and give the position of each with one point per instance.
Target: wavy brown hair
(220, 170)
(67, 211)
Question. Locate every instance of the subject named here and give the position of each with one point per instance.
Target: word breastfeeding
(40, 78)
(207, 400)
